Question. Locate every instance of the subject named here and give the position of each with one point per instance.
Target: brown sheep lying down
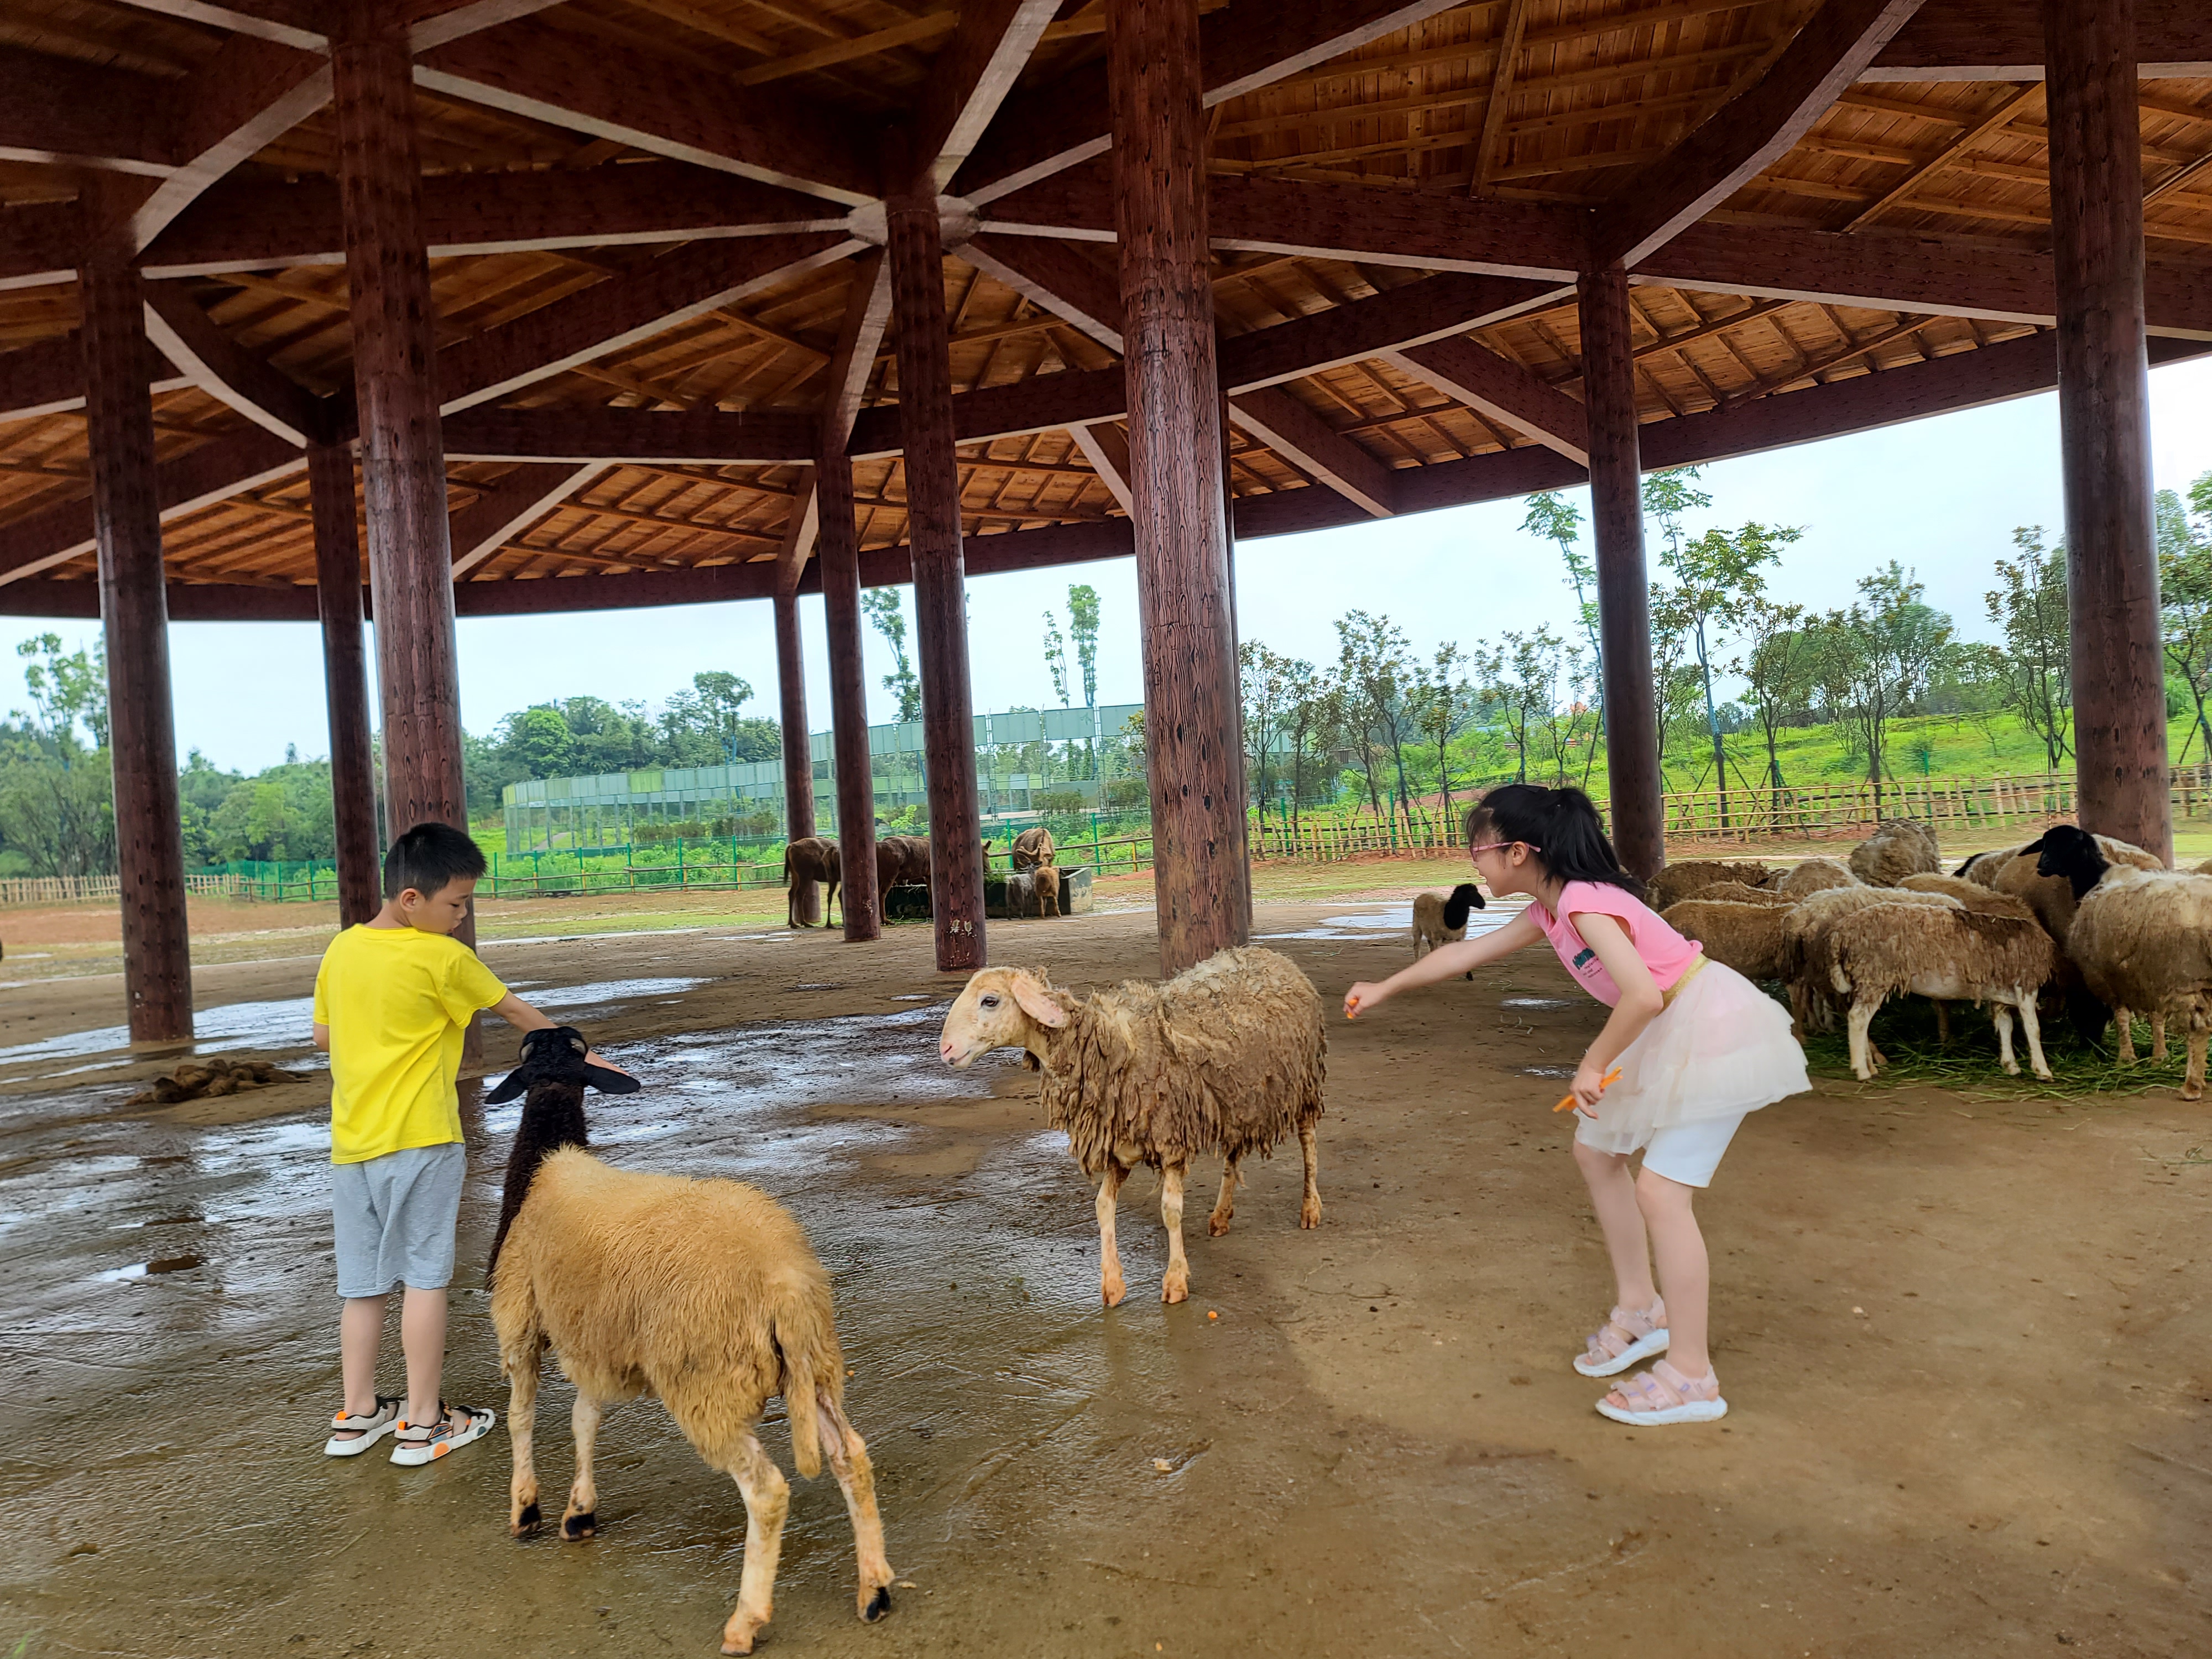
(1227, 1057)
(704, 1292)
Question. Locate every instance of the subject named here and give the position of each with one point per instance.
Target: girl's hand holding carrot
(1583, 1092)
(1361, 998)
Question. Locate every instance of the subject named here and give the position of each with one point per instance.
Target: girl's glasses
(1490, 846)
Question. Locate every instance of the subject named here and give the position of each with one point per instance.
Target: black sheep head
(2074, 853)
(1464, 897)
(556, 1054)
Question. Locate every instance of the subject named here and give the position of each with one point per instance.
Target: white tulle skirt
(1720, 1048)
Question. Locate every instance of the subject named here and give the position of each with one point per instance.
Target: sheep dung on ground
(1816, 876)
(1746, 937)
(2143, 940)
(808, 858)
(1946, 952)
(205, 1080)
(1227, 1057)
(1441, 918)
(704, 1292)
(1680, 881)
(1899, 848)
(1031, 849)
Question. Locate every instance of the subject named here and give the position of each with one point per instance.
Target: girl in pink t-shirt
(1698, 1048)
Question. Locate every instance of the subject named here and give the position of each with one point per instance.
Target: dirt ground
(1961, 1336)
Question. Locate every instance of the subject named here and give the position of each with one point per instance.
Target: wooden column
(1623, 589)
(2104, 421)
(932, 493)
(797, 753)
(838, 549)
(345, 681)
(403, 458)
(134, 613)
(1178, 504)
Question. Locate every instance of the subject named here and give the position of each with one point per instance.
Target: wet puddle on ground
(1367, 922)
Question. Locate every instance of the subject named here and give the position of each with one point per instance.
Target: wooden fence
(1847, 811)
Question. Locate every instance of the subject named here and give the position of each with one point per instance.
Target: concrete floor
(1962, 1337)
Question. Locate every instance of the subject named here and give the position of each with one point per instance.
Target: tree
(1552, 517)
(1518, 678)
(1377, 671)
(1780, 667)
(1674, 686)
(1269, 684)
(885, 610)
(1877, 657)
(2036, 664)
(1055, 657)
(1083, 628)
(1443, 704)
(67, 689)
(1561, 723)
(719, 698)
(2184, 594)
(1715, 575)
(56, 787)
(1311, 725)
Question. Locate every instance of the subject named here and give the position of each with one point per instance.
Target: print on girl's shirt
(1581, 964)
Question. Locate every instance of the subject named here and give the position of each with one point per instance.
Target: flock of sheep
(2069, 920)
(904, 860)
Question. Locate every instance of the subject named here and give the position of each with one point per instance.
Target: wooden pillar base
(839, 549)
(797, 751)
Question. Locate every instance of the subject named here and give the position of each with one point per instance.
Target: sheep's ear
(610, 1082)
(508, 1086)
(1034, 998)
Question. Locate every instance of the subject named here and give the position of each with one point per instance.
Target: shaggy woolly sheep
(1900, 847)
(1734, 892)
(1441, 918)
(1746, 937)
(1677, 882)
(1943, 952)
(1972, 894)
(704, 1292)
(1032, 848)
(1809, 1006)
(2052, 898)
(2142, 939)
(1227, 1057)
(1816, 876)
(1982, 867)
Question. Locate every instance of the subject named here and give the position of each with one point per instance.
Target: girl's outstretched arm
(1445, 962)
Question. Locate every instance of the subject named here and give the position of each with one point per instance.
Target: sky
(1941, 496)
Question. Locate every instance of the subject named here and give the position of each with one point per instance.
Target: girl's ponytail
(1562, 825)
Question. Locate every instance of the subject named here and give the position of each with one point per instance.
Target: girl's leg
(1684, 1273)
(1613, 1196)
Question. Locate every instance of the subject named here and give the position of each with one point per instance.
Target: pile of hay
(203, 1080)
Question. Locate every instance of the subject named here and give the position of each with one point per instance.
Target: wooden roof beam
(48, 379)
(660, 105)
(226, 371)
(1053, 276)
(636, 437)
(1750, 132)
(2002, 41)
(64, 114)
(1300, 437)
(970, 79)
(1243, 46)
(1500, 390)
(867, 317)
(1105, 445)
(511, 507)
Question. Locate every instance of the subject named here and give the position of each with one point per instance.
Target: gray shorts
(395, 1217)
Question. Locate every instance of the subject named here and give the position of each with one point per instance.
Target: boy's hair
(1561, 826)
(428, 856)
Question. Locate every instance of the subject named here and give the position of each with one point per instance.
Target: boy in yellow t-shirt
(394, 999)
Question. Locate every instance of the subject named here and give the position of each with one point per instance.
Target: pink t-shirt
(1665, 952)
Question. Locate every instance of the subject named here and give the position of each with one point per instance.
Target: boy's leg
(1613, 1194)
(360, 1332)
(1684, 1270)
(422, 1337)
(419, 1242)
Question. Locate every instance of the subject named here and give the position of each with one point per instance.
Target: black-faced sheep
(1899, 848)
(1031, 849)
(2141, 939)
(1441, 918)
(1815, 876)
(808, 859)
(704, 1292)
(2052, 898)
(1227, 1057)
(1943, 952)
(1745, 937)
(1676, 882)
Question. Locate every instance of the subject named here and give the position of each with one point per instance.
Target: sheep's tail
(813, 1367)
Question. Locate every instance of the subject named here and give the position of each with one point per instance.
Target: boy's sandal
(456, 1425)
(352, 1434)
(1628, 1337)
(1663, 1396)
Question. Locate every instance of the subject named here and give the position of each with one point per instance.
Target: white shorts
(1687, 1152)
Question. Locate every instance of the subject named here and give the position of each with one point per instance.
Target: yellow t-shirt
(398, 1002)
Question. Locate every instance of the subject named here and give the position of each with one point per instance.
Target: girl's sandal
(1628, 1337)
(352, 1435)
(1663, 1396)
(456, 1425)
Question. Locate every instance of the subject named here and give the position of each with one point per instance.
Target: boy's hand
(595, 1058)
(1361, 997)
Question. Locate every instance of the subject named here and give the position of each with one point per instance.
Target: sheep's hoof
(582, 1524)
(1218, 1223)
(2011, 1067)
(1176, 1287)
(738, 1635)
(2193, 1092)
(878, 1604)
(1309, 1213)
(526, 1520)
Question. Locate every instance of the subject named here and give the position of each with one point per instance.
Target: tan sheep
(1441, 918)
(1986, 901)
(1815, 876)
(1734, 892)
(1677, 882)
(2052, 898)
(1982, 867)
(703, 1293)
(1045, 880)
(2143, 940)
(1945, 952)
(1746, 937)
(1227, 1057)
(1900, 847)
(1809, 1006)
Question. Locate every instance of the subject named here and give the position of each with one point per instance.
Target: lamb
(704, 1292)
(1228, 1057)
(1682, 881)
(1441, 918)
(809, 859)
(1900, 847)
(1032, 848)
(1046, 878)
(1816, 876)
(1943, 952)
(2142, 939)
(1746, 937)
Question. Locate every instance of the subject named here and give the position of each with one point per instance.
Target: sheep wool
(1746, 937)
(2052, 897)
(1816, 876)
(1810, 1008)
(1943, 952)
(1971, 894)
(1734, 892)
(1677, 882)
(1429, 929)
(1901, 848)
